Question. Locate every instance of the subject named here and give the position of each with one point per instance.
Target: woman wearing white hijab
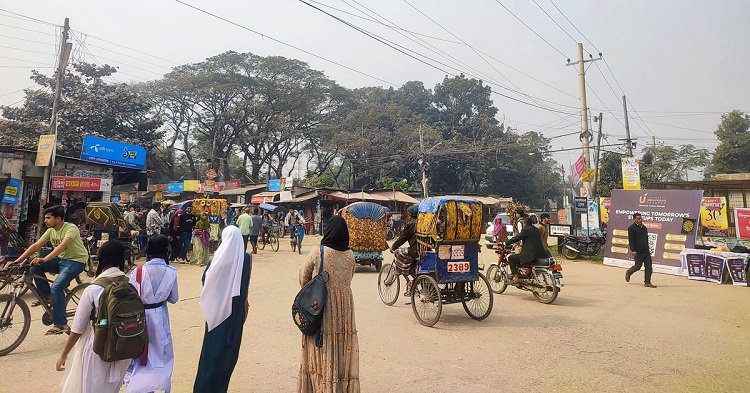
(224, 304)
(87, 372)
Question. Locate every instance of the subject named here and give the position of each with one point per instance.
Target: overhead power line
(574, 26)
(533, 31)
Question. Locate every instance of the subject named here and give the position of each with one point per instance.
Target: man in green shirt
(245, 222)
(68, 259)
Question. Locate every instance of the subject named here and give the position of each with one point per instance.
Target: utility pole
(65, 49)
(585, 134)
(424, 165)
(627, 127)
(596, 155)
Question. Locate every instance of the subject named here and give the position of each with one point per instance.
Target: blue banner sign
(274, 185)
(12, 191)
(174, 188)
(113, 152)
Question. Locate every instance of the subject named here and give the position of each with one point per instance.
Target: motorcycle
(542, 278)
(575, 246)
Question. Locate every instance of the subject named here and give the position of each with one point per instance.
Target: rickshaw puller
(406, 264)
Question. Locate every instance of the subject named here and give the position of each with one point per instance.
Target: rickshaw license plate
(458, 267)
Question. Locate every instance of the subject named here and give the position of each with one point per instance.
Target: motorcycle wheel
(570, 254)
(497, 280)
(548, 293)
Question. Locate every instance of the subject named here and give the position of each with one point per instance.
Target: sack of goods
(367, 226)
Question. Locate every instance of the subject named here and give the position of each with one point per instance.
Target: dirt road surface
(601, 335)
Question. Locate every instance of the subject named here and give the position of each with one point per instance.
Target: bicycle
(295, 239)
(269, 236)
(14, 312)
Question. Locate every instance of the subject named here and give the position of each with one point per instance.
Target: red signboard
(76, 183)
(742, 223)
(231, 184)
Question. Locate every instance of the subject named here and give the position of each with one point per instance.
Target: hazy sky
(668, 56)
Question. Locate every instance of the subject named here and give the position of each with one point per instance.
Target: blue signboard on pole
(12, 191)
(113, 152)
(175, 188)
(274, 185)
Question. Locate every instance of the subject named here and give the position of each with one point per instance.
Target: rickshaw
(448, 233)
(108, 224)
(367, 230)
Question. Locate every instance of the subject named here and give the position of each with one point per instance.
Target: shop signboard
(671, 218)
(175, 188)
(44, 150)
(64, 183)
(191, 185)
(274, 185)
(12, 191)
(113, 152)
(742, 223)
(581, 204)
(232, 184)
(714, 220)
(560, 230)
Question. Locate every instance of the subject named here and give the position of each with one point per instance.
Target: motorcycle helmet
(413, 211)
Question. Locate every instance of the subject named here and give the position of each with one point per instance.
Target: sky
(680, 63)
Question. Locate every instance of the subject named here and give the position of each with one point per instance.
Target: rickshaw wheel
(274, 240)
(378, 264)
(496, 279)
(426, 300)
(479, 306)
(549, 293)
(388, 293)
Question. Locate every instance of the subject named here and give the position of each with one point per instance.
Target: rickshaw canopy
(450, 218)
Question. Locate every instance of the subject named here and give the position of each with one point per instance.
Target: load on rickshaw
(448, 233)
(107, 223)
(367, 223)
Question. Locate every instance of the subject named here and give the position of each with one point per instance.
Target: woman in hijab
(334, 367)
(202, 240)
(224, 304)
(85, 371)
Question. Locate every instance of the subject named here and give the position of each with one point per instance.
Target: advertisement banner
(714, 220)
(670, 216)
(631, 174)
(714, 268)
(65, 183)
(694, 261)
(736, 267)
(113, 152)
(191, 185)
(159, 196)
(742, 223)
(12, 191)
(175, 188)
(232, 184)
(604, 205)
(44, 150)
(590, 221)
(124, 197)
(577, 170)
(274, 185)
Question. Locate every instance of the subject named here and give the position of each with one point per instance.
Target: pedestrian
(245, 222)
(154, 222)
(86, 372)
(334, 367)
(638, 243)
(255, 230)
(224, 304)
(316, 221)
(201, 240)
(187, 224)
(152, 370)
(175, 243)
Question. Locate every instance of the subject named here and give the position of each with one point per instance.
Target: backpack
(120, 324)
(308, 306)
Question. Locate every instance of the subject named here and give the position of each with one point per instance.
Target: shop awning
(356, 196)
(263, 197)
(396, 196)
(305, 197)
(487, 200)
(243, 190)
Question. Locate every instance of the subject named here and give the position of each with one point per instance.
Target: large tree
(668, 163)
(733, 153)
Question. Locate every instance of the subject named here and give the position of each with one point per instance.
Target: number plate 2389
(458, 267)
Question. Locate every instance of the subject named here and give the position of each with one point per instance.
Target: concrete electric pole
(65, 49)
(596, 155)
(627, 127)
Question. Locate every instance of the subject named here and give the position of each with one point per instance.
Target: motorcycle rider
(531, 250)
(543, 228)
(406, 264)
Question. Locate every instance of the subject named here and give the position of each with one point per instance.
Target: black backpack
(308, 306)
(120, 323)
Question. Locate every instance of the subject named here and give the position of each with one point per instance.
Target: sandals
(58, 330)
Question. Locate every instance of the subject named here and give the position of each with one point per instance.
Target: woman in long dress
(334, 367)
(201, 241)
(224, 304)
(86, 372)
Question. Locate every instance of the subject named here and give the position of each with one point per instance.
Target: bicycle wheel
(478, 301)
(389, 285)
(426, 300)
(274, 240)
(72, 298)
(262, 242)
(14, 324)
(497, 279)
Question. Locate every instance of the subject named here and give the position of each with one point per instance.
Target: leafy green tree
(733, 153)
(610, 174)
(667, 163)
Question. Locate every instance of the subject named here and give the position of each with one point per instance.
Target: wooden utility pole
(65, 49)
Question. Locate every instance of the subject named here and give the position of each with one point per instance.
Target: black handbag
(308, 306)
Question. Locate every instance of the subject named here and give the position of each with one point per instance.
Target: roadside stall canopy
(356, 196)
(264, 197)
(396, 196)
(487, 200)
(242, 190)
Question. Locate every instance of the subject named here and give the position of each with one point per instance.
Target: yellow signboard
(714, 220)
(44, 150)
(191, 185)
(159, 196)
(631, 174)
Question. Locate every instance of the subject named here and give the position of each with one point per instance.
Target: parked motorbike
(575, 246)
(542, 279)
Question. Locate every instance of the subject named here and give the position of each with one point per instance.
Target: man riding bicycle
(294, 221)
(68, 259)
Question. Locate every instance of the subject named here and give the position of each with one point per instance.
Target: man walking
(187, 224)
(154, 222)
(255, 225)
(638, 243)
(245, 222)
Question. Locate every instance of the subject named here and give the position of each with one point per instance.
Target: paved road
(601, 335)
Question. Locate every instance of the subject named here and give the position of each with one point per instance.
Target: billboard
(66, 183)
(631, 174)
(274, 185)
(12, 191)
(670, 216)
(44, 150)
(113, 152)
